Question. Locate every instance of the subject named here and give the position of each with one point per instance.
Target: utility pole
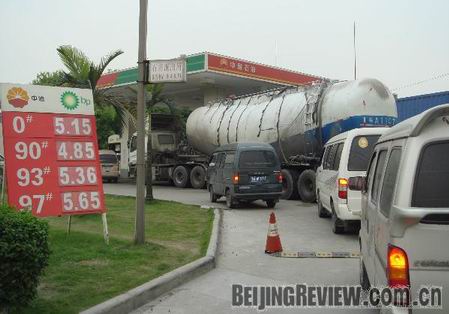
(355, 57)
(139, 236)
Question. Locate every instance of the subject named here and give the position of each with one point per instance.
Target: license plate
(258, 179)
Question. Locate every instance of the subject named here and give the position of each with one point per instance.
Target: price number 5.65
(79, 201)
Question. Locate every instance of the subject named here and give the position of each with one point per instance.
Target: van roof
(238, 146)
(356, 132)
(414, 126)
(106, 152)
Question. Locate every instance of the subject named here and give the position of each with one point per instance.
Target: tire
(289, 177)
(198, 177)
(115, 180)
(364, 280)
(212, 196)
(322, 212)
(181, 177)
(271, 203)
(230, 201)
(338, 226)
(306, 186)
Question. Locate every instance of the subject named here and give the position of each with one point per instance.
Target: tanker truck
(297, 122)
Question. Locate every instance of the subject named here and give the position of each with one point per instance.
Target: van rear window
(165, 139)
(257, 159)
(109, 158)
(431, 187)
(360, 153)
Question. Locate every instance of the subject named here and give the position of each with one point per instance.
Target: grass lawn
(84, 271)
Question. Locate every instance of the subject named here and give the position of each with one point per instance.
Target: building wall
(411, 106)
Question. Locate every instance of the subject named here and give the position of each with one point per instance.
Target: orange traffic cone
(273, 241)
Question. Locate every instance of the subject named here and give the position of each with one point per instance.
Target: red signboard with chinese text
(51, 152)
(258, 71)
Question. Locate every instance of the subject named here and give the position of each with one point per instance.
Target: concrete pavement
(242, 259)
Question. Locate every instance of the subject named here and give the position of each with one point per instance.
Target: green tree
(108, 123)
(55, 78)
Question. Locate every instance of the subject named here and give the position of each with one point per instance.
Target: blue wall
(411, 106)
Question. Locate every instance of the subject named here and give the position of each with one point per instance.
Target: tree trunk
(149, 170)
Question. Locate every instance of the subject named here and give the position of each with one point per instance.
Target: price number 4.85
(78, 201)
(75, 150)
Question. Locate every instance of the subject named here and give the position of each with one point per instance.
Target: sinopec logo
(18, 97)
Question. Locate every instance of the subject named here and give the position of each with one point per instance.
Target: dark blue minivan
(245, 172)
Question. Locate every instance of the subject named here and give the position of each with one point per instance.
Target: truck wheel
(181, 176)
(271, 203)
(289, 177)
(364, 280)
(212, 196)
(306, 186)
(322, 212)
(198, 177)
(338, 225)
(230, 201)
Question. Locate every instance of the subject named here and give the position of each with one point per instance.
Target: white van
(404, 235)
(345, 155)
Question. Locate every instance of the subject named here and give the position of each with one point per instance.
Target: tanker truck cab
(161, 142)
(345, 155)
(245, 172)
(404, 234)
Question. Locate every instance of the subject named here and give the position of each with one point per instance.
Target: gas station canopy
(210, 77)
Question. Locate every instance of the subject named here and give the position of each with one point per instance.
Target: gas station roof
(210, 77)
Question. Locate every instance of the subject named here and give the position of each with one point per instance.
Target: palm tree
(84, 73)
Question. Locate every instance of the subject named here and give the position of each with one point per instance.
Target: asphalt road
(242, 259)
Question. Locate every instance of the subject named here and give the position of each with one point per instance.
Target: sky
(399, 42)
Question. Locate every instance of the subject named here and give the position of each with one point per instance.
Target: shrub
(23, 255)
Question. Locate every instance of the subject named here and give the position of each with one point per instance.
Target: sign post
(51, 154)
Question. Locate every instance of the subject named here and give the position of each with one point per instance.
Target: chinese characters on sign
(166, 71)
(237, 65)
(258, 71)
(51, 153)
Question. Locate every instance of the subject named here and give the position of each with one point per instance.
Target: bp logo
(70, 100)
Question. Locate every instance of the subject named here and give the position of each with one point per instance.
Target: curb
(147, 292)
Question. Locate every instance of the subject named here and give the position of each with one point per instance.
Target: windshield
(361, 149)
(257, 159)
(108, 158)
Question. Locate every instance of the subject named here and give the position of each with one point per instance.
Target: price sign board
(51, 152)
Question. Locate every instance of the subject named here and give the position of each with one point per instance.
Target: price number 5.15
(72, 126)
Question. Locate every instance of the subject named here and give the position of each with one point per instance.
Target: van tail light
(343, 188)
(235, 178)
(398, 272)
(278, 176)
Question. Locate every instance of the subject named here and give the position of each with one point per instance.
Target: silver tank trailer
(292, 120)
(296, 121)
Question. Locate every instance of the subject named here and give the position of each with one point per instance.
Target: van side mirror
(212, 164)
(357, 183)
